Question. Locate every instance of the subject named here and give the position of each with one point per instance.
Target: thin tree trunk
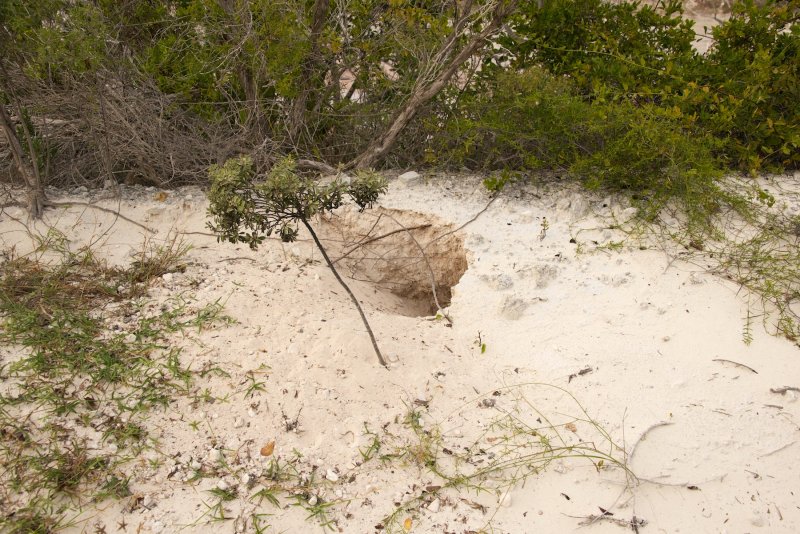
(298, 114)
(36, 196)
(349, 292)
(425, 91)
(248, 79)
(250, 87)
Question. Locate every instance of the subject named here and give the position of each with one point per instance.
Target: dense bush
(535, 120)
(749, 87)
(744, 90)
(269, 77)
(610, 50)
(246, 207)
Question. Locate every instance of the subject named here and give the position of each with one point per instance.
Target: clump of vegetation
(761, 253)
(747, 90)
(611, 51)
(535, 120)
(78, 380)
(247, 210)
(520, 442)
(742, 91)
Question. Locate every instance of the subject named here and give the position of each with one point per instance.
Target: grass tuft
(520, 442)
(85, 359)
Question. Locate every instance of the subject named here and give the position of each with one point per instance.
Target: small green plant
(545, 225)
(317, 509)
(497, 182)
(374, 446)
(747, 329)
(480, 343)
(254, 386)
(224, 495)
(245, 209)
(258, 522)
(268, 494)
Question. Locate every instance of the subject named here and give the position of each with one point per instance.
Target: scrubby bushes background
(612, 94)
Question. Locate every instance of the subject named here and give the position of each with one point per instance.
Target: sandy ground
(541, 313)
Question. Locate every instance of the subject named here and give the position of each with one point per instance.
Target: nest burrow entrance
(398, 254)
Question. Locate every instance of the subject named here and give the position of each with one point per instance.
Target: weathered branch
(425, 90)
(50, 204)
(431, 274)
(378, 238)
(298, 113)
(35, 191)
(319, 166)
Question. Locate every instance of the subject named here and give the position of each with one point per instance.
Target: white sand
(649, 328)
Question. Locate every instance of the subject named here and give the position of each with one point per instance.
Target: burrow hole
(376, 248)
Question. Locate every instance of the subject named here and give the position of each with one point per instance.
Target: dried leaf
(407, 524)
(161, 196)
(571, 427)
(267, 449)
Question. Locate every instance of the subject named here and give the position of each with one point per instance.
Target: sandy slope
(649, 330)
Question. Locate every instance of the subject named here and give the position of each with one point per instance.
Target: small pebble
(149, 502)
(332, 476)
(434, 506)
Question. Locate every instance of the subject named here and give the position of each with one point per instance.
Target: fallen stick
(634, 523)
(736, 364)
(51, 204)
(472, 220)
(349, 292)
(378, 238)
(784, 389)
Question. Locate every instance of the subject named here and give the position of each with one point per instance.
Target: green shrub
(247, 208)
(749, 88)
(526, 120)
(534, 120)
(647, 152)
(744, 91)
(610, 50)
